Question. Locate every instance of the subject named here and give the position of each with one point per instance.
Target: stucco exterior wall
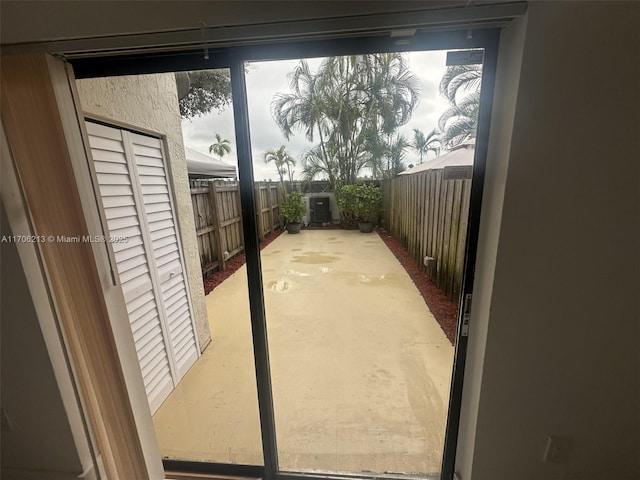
(151, 102)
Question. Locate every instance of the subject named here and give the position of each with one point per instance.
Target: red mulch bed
(443, 309)
(216, 278)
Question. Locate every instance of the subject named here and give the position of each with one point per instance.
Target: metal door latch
(466, 315)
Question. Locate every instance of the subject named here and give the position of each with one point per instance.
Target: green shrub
(359, 203)
(347, 202)
(293, 207)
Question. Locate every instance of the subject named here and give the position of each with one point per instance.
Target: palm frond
(460, 76)
(468, 81)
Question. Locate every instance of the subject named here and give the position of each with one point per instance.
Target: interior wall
(151, 102)
(562, 336)
(504, 106)
(37, 441)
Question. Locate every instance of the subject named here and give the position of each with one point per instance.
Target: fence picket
(429, 216)
(462, 238)
(215, 218)
(453, 238)
(218, 219)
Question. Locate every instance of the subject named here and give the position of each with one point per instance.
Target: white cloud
(265, 79)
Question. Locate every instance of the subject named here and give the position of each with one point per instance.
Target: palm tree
(221, 147)
(396, 155)
(459, 123)
(284, 163)
(388, 156)
(393, 88)
(302, 109)
(379, 150)
(368, 97)
(460, 79)
(461, 86)
(423, 144)
(348, 102)
(317, 162)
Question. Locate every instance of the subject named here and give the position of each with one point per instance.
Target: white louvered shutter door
(124, 214)
(152, 177)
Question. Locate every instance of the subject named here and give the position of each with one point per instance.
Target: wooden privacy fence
(267, 197)
(429, 216)
(218, 219)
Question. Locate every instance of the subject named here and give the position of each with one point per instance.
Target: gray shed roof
(200, 165)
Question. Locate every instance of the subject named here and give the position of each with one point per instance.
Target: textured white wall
(504, 105)
(151, 102)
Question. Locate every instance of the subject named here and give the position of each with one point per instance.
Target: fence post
(213, 196)
(259, 211)
(272, 226)
(277, 205)
(238, 201)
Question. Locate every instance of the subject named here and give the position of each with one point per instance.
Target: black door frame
(234, 58)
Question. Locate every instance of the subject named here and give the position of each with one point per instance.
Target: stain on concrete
(385, 279)
(314, 258)
(279, 286)
(297, 273)
(425, 401)
(379, 375)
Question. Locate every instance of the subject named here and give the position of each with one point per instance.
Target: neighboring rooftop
(200, 165)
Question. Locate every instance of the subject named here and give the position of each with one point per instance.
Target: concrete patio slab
(360, 368)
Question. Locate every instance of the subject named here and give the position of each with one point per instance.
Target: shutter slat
(163, 233)
(151, 258)
(134, 259)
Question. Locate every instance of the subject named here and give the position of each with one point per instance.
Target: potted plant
(346, 196)
(368, 206)
(360, 204)
(293, 209)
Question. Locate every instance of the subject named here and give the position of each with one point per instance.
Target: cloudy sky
(265, 79)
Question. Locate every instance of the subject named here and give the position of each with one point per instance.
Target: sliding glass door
(360, 366)
(332, 352)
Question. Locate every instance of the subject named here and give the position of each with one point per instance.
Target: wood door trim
(35, 134)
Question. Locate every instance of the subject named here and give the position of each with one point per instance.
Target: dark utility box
(319, 211)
